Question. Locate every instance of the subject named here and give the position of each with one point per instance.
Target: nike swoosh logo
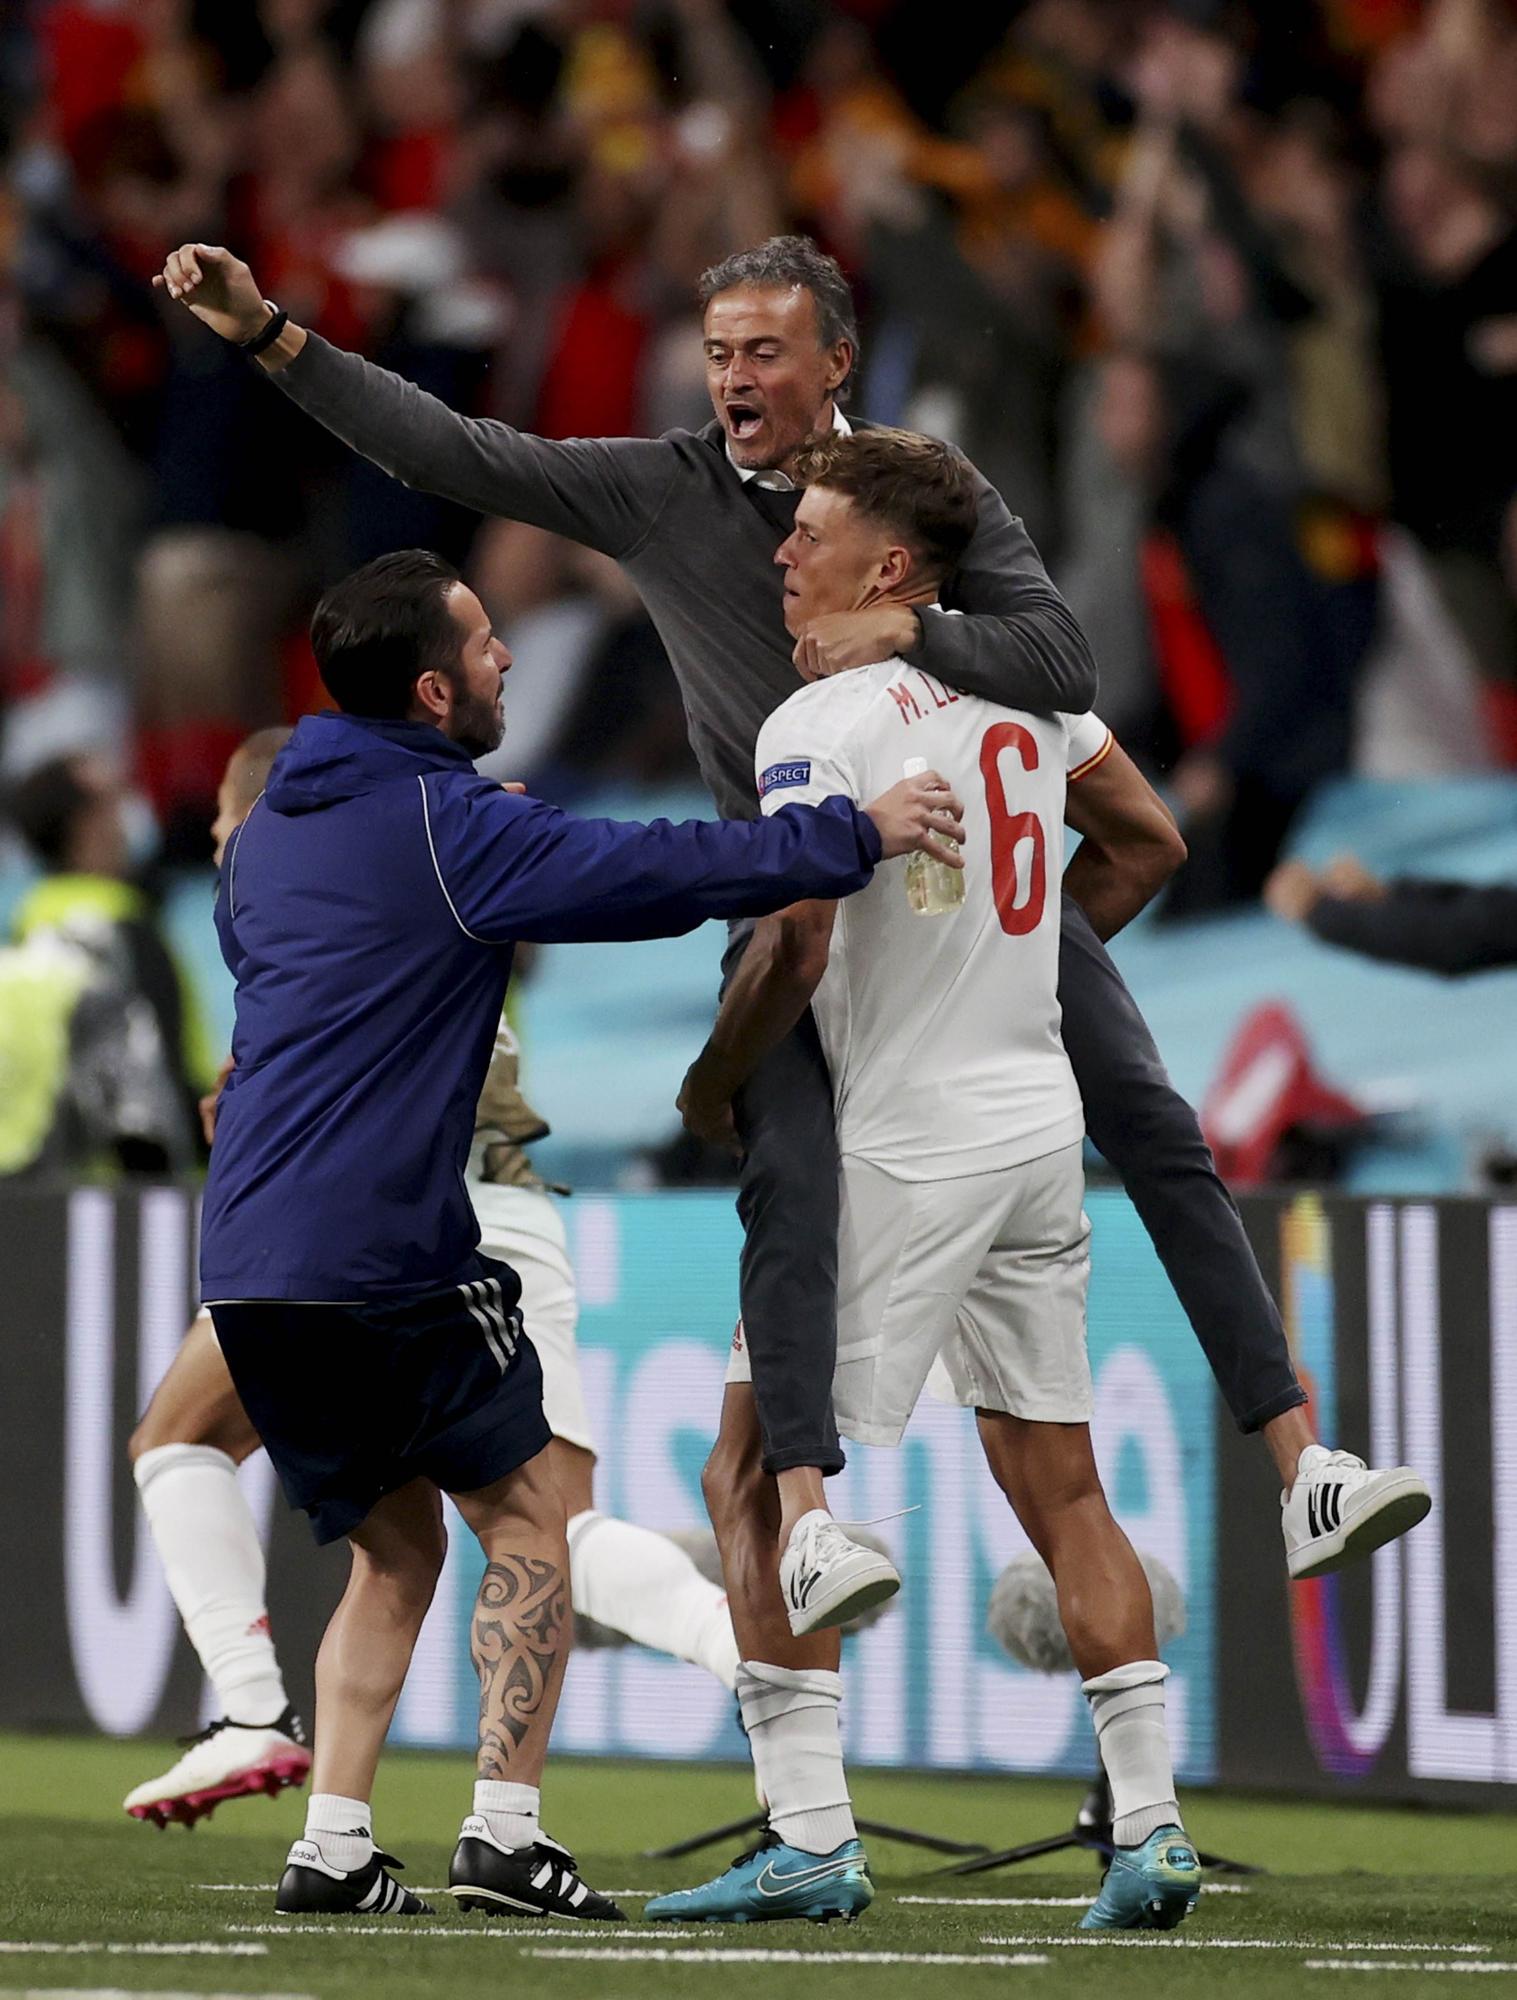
(803, 1878)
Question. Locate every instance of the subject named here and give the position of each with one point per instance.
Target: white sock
(640, 1583)
(341, 1828)
(1127, 1707)
(203, 1529)
(509, 1811)
(791, 1716)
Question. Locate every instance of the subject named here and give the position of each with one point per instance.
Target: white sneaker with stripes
(537, 1881)
(1339, 1510)
(828, 1579)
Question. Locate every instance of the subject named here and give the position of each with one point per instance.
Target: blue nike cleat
(1148, 1888)
(772, 1882)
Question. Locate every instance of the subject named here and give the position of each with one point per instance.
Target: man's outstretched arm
(515, 869)
(603, 492)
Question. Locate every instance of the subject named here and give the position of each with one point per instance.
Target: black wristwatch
(267, 334)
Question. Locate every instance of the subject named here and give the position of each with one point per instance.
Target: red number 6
(1008, 828)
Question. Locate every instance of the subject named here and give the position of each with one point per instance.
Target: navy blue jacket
(368, 908)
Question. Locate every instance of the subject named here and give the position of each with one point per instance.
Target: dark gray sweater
(699, 545)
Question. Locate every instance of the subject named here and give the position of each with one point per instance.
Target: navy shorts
(354, 1401)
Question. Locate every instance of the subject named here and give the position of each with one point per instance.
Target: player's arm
(771, 989)
(604, 492)
(1007, 634)
(1129, 843)
(513, 868)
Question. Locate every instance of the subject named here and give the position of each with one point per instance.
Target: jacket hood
(333, 757)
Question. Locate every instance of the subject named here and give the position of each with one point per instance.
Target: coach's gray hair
(784, 263)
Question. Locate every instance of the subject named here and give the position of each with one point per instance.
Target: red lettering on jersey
(941, 695)
(911, 709)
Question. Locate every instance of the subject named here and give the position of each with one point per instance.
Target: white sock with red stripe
(508, 1811)
(203, 1529)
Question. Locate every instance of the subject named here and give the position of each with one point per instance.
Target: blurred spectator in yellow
(102, 1043)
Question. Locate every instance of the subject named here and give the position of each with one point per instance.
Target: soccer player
(963, 1245)
(695, 520)
(195, 1433)
(368, 909)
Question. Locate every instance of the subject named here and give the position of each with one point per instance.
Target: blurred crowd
(1222, 297)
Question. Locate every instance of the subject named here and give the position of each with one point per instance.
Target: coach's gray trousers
(1136, 1119)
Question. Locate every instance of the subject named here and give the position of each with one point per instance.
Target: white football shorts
(977, 1283)
(522, 1226)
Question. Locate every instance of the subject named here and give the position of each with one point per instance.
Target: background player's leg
(397, 1556)
(185, 1454)
(631, 1579)
(1148, 1134)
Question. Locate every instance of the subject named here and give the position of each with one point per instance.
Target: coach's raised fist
(217, 287)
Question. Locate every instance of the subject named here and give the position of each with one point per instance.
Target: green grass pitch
(1357, 1900)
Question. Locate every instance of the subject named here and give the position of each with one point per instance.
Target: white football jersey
(942, 1032)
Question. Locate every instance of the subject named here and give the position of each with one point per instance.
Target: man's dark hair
(45, 805)
(919, 486)
(784, 263)
(378, 630)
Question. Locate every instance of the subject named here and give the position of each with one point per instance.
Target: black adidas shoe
(536, 1881)
(311, 1886)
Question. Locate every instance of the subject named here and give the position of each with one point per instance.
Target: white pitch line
(1040, 1902)
(1410, 1965)
(268, 1888)
(755, 1956)
(509, 1930)
(1148, 1942)
(1000, 1902)
(136, 1993)
(9, 1946)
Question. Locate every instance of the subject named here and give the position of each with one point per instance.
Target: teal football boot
(1148, 1888)
(771, 1882)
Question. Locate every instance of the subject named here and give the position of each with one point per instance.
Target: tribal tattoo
(520, 1620)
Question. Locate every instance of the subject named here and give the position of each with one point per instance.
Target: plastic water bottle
(933, 889)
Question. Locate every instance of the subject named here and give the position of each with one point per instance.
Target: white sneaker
(230, 1760)
(827, 1579)
(1339, 1511)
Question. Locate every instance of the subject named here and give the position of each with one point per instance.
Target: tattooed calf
(520, 1618)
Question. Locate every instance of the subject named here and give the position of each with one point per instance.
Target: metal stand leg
(755, 1823)
(1092, 1829)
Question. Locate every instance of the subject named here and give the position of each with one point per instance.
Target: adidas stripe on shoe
(537, 1881)
(1339, 1510)
(311, 1886)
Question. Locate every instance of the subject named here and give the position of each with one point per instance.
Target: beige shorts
(524, 1228)
(977, 1283)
